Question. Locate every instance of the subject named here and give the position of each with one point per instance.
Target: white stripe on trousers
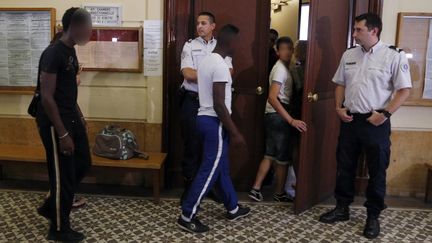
(215, 165)
(57, 178)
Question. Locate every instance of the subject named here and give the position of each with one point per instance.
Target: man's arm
(339, 99)
(48, 87)
(275, 103)
(190, 74)
(399, 98)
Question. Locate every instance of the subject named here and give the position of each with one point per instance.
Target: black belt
(192, 94)
(362, 115)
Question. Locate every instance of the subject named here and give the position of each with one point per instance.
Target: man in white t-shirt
(216, 129)
(278, 122)
(194, 51)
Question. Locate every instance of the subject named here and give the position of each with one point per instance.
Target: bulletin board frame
(117, 33)
(412, 36)
(19, 90)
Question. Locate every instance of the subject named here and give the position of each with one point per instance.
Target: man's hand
(299, 125)
(343, 115)
(67, 146)
(377, 118)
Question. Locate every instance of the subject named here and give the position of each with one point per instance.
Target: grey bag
(114, 142)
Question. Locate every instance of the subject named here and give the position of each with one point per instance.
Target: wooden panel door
(250, 79)
(329, 24)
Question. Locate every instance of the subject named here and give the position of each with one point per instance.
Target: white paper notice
(23, 37)
(153, 34)
(153, 48)
(152, 62)
(427, 89)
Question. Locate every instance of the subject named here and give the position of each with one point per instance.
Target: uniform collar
(374, 48)
(200, 39)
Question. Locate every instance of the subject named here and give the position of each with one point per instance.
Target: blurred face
(81, 33)
(204, 26)
(362, 35)
(285, 52)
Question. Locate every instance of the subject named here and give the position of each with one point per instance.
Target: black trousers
(65, 172)
(375, 140)
(192, 148)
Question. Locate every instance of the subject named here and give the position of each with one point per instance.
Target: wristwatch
(386, 113)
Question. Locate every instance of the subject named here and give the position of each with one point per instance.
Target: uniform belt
(362, 116)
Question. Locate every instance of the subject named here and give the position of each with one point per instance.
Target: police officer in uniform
(193, 52)
(373, 81)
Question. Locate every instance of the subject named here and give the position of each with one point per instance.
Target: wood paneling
(23, 131)
(406, 175)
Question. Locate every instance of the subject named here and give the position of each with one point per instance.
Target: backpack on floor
(114, 142)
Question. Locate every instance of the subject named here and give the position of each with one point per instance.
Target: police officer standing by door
(193, 52)
(373, 81)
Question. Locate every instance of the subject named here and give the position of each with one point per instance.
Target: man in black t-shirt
(61, 124)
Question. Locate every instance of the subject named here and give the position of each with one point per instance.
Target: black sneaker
(68, 235)
(283, 197)
(256, 195)
(194, 226)
(44, 212)
(241, 213)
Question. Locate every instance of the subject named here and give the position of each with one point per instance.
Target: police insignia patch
(404, 67)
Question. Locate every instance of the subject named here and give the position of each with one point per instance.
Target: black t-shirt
(62, 60)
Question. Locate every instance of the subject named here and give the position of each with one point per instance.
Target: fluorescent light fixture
(409, 55)
(114, 39)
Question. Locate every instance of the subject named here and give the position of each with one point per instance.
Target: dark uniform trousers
(375, 140)
(65, 172)
(192, 150)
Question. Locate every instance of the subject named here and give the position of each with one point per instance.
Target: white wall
(104, 95)
(408, 117)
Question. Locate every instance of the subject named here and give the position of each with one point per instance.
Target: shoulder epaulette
(190, 40)
(395, 48)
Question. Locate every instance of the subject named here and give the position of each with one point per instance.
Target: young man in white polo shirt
(216, 129)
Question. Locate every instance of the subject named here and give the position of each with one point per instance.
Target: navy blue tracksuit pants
(214, 167)
(375, 140)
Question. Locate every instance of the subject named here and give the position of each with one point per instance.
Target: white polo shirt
(371, 77)
(193, 53)
(212, 68)
(281, 75)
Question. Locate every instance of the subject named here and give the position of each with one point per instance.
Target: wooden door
(329, 24)
(250, 79)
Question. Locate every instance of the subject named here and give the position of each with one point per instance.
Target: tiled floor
(126, 219)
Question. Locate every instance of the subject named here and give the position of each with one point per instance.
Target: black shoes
(68, 235)
(241, 213)
(335, 215)
(44, 212)
(372, 228)
(194, 226)
(283, 197)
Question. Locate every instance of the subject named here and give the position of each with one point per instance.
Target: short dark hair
(211, 17)
(273, 31)
(226, 33)
(75, 16)
(372, 21)
(284, 40)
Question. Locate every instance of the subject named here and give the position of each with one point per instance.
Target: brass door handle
(312, 97)
(259, 90)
